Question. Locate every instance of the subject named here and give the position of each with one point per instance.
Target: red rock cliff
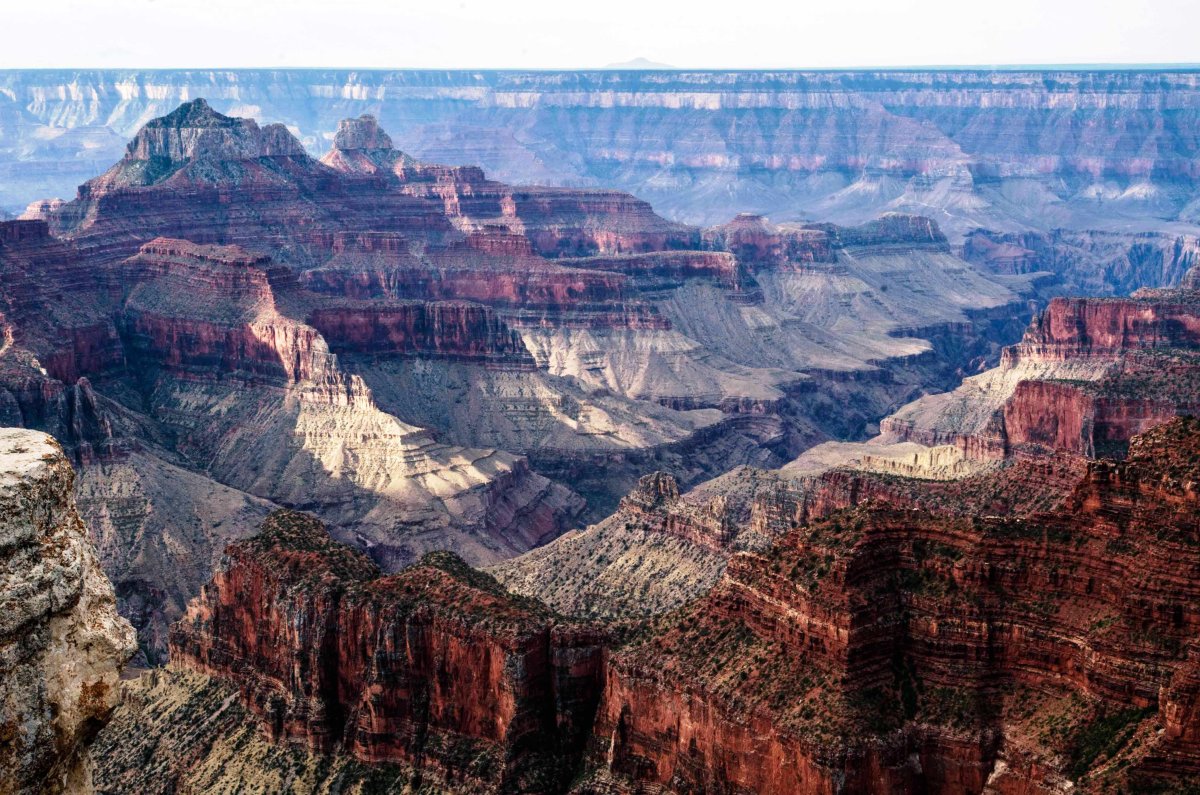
(466, 332)
(437, 667)
(902, 652)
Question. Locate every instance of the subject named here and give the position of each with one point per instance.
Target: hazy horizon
(546, 36)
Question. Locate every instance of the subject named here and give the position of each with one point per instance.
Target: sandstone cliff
(877, 649)
(883, 651)
(62, 644)
(436, 668)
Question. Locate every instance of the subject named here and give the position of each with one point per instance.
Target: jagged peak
(197, 113)
(361, 133)
(194, 130)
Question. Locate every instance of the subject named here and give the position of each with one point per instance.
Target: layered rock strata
(1007, 151)
(882, 651)
(436, 668)
(1073, 383)
(932, 648)
(220, 324)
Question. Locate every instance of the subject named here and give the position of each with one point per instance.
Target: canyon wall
(1088, 375)
(884, 651)
(916, 646)
(219, 324)
(992, 149)
(435, 668)
(62, 644)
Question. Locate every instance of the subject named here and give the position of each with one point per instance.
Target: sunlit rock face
(220, 324)
(1088, 375)
(62, 644)
(436, 668)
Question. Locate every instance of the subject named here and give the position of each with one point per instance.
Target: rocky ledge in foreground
(62, 644)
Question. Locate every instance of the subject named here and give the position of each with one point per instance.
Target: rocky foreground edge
(62, 644)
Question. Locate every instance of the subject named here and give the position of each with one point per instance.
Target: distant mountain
(1006, 150)
(639, 63)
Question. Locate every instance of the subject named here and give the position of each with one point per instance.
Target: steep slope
(436, 668)
(877, 649)
(883, 651)
(62, 644)
(1110, 368)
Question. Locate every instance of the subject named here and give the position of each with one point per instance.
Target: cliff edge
(62, 644)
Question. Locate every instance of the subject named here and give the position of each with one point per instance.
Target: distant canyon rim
(600, 432)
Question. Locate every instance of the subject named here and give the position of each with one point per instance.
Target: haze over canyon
(600, 432)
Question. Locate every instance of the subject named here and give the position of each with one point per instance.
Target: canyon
(1001, 603)
(1087, 173)
(448, 478)
(1039, 149)
(878, 648)
(220, 325)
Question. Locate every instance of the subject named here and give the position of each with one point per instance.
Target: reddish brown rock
(753, 240)
(902, 652)
(1081, 328)
(436, 668)
(459, 331)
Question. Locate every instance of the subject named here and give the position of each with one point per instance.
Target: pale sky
(545, 34)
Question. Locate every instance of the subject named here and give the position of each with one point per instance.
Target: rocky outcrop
(1091, 328)
(62, 644)
(195, 136)
(893, 652)
(753, 240)
(1088, 375)
(436, 668)
(659, 550)
(890, 229)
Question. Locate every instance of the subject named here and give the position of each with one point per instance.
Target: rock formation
(891, 652)
(62, 644)
(1087, 376)
(436, 668)
(220, 324)
(871, 649)
(1066, 150)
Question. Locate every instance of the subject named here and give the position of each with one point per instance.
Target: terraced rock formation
(1087, 377)
(1002, 150)
(220, 324)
